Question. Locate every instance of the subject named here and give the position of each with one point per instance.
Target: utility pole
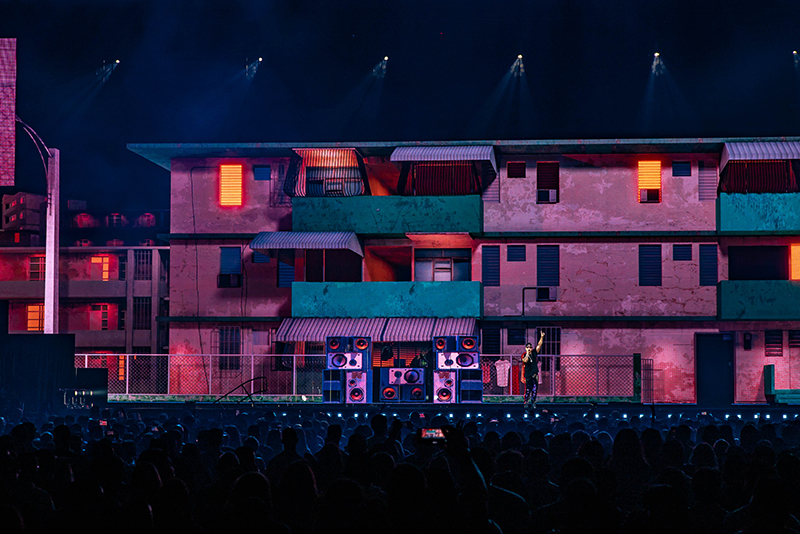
(51, 260)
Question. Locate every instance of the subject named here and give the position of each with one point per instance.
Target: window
(516, 169)
(759, 263)
(442, 265)
(490, 265)
(285, 268)
(262, 173)
(35, 317)
(516, 336)
(98, 317)
(36, 268)
(547, 272)
(230, 261)
(142, 308)
(146, 220)
(121, 313)
(773, 343)
(681, 168)
(649, 181)
(547, 182)
(144, 264)
(794, 259)
(794, 339)
(490, 337)
(708, 265)
(551, 346)
(101, 266)
(230, 185)
(649, 265)
(229, 341)
(515, 253)
(260, 257)
(116, 220)
(682, 252)
(707, 180)
(123, 266)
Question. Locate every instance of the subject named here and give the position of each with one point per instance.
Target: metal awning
(307, 240)
(389, 329)
(760, 150)
(445, 153)
(318, 328)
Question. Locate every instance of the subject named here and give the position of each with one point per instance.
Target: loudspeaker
(467, 343)
(470, 386)
(357, 387)
(444, 344)
(402, 384)
(332, 387)
(347, 353)
(457, 360)
(444, 387)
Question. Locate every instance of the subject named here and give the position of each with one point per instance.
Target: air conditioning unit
(546, 196)
(649, 195)
(229, 280)
(546, 294)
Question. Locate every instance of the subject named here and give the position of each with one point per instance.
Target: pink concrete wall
(602, 279)
(72, 316)
(198, 180)
(600, 193)
(749, 369)
(72, 267)
(194, 266)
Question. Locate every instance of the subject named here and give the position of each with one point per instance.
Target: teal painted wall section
(765, 212)
(760, 300)
(386, 299)
(387, 214)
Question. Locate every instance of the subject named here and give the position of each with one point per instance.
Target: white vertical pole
(51, 243)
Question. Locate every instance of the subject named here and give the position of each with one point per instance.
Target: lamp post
(52, 168)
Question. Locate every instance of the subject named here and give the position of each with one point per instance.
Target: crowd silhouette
(310, 472)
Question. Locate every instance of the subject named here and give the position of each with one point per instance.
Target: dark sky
(729, 72)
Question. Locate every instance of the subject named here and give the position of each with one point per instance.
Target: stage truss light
(379, 70)
(657, 67)
(250, 69)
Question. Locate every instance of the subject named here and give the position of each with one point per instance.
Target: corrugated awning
(445, 153)
(318, 328)
(756, 151)
(389, 329)
(307, 240)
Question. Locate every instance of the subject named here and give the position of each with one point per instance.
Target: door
(714, 369)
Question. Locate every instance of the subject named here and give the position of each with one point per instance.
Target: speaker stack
(458, 370)
(402, 384)
(347, 378)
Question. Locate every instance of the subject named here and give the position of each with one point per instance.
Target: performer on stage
(530, 373)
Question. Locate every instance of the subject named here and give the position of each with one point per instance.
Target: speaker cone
(356, 394)
(444, 394)
(468, 343)
(362, 343)
(441, 343)
(389, 393)
(417, 394)
(339, 360)
(333, 343)
(464, 360)
(412, 376)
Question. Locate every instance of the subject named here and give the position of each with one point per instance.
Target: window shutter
(649, 265)
(516, 336)
(707, 181)
(490, 337)
(516, 253)
(262, 173)
(547, 266)
(260, 257)
(681, 168)
(285, 274)
(682, 252)
(708, 265)
(794, 339)
(773, 343)
(547, 175)
(230, 261)
(650, 181)
(516, 169)
(490, 268)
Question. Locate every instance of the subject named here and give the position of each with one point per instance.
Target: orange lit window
(36, 268)
(649, 181)
(230, 185)
(35, 317)
(121, 367)
(795, 259)
(103, 266)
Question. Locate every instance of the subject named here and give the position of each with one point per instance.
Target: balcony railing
(759, 300)
(298, 377)
(762, 212)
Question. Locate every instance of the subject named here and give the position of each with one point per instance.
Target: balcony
(386, 299)
(77, 289)
(759, 300)
(763, 212)
(388, 214)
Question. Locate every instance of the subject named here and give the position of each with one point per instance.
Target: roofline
(162, 153)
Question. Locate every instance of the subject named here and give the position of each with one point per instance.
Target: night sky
(729, 71)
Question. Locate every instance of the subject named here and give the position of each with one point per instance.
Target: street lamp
(52, 169)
